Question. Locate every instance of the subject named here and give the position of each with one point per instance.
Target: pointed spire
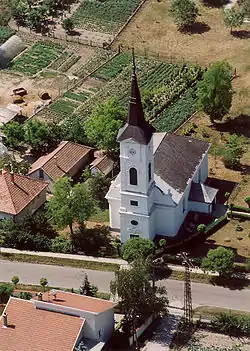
(136, 127)
(135, 114)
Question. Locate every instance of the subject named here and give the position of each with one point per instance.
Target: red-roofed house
(55, 320)
(68, 159)
(20, 194)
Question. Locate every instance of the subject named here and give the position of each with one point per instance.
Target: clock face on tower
(132, 152)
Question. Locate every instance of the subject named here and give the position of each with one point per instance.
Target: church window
(134, 222)
(41, 176)
(133, 176)
(133, 203)
(149, 172)
(134, 236)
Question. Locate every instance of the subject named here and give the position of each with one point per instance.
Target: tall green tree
(137, 248)
(219, 260)
(138, 297)
(68, 24)
(88, 289)
(233, 151)
(44, 283)
(70, 203)
(99, 185)
(232, 17)
(14, 134)
(184, 12)
(103, 125)
(215, 91)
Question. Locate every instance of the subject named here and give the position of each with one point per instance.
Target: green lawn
(102, 216)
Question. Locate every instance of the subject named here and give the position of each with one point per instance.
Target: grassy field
(105, 16)
(209, 312)
(39, 56)
(98, 266)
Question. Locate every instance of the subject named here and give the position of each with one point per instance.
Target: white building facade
(162, 177)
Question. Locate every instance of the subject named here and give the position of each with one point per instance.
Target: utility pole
(188, 311)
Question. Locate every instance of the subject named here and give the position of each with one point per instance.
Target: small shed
(10, 49)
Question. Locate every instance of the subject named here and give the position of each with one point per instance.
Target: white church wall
(142, 229)
(114, 216)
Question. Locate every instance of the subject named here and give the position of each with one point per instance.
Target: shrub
(162, 242)
(15, 280)
(247, 200)
(201, 228)
(25, 295)
(137, 248)
(219, 260)
(43, 283)
(5, 291)
(231, 324)
(61, 244)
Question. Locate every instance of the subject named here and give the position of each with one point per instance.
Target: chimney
(40, 296)
(12, 177)
(5, 320)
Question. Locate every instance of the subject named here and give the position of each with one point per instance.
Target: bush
(25, 295)
(247, 200)
(201, 228)
(137, 248)
(233, 207)
(5, 292)
(61, 244)
(231, 324)
(219, 260)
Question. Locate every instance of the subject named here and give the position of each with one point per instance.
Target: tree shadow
(214, 3)
(241, 34)
(239, 125)
(233, 283)
(74, 33)
(198, 28)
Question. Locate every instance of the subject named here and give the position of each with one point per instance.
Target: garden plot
(39, 56)
(106, 16)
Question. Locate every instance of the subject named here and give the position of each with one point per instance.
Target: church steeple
(136, 127)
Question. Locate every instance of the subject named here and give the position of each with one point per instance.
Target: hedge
(217, 224)
(231, 324)
(240, 208)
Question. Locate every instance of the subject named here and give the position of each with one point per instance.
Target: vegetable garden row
(107, 16)
(168, 91)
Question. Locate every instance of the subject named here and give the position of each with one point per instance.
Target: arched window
(149, 172)
(133, 176)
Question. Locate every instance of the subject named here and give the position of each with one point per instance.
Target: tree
(42, 136)
(13, 132)
(88, 289)
(232, 17)
(233, 151)
(68, 24)
(184, 12)
(103, 125)
(43, 283)
(245, 7)
(70, 203)
(9, 162)
(15, 280)
(247, 200)
(138, 297)
(215, 91)
(99, 185)
(5, 291)
(219, 260)
(137, 248)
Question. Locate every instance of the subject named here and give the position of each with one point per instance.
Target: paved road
(67, 277)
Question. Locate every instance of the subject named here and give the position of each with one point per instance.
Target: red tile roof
(30, 328)
(103, 164)
(60, 161)
(81, 302)
(17, 191)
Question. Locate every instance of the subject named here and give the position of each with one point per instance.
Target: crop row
(113, 67)
(106, 15)
(5, 33)
(177, 113)
(63, 108)
(69, 63)
(60, 60)
(39, 56)
(100, 57)
(76, 96)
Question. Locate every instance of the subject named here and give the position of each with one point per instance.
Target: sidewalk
(66, 256)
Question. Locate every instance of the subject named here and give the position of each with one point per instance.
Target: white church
(162, 177)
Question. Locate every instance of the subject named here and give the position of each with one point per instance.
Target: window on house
(149, 172)
(41, 176)
(133, 176)
(133, 203)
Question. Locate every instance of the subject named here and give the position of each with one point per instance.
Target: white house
(162, 178)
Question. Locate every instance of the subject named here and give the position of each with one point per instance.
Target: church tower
(137, 170)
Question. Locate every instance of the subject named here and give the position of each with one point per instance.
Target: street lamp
(188, 311)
